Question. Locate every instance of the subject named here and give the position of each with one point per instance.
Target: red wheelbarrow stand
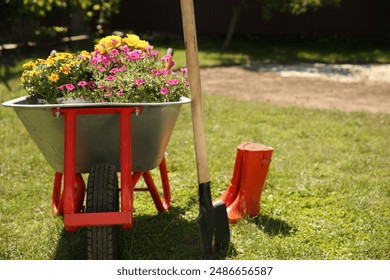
(69, 202)
(69, 187)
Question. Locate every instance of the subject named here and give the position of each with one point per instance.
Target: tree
(96, 11)
(269, 7)
(99, 9)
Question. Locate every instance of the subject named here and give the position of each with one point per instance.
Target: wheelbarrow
(101, 139)
(142, 145)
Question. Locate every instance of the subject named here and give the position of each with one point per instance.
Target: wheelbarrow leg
(58, 198)
(126, 164)
(163, 203)
(69, 165)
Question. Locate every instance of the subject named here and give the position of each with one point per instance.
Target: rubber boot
(231, 192)
(256, 161)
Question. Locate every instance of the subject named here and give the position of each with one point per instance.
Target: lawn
(327, 194)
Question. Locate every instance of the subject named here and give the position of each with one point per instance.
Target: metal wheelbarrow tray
(101, 139)
(98, 134)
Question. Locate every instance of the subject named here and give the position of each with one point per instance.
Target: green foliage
(99, 10)
(295, 7)
(43, 7)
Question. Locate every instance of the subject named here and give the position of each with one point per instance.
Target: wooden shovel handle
(191, 46)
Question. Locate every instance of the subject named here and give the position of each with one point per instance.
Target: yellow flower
(54, 77)
(65, 69)
(131, 39)
(101, 49)
(33, 73)
(29, 64)
(134, 41)
(141, 44)
(49, 61)
(84, 54)
(108, 43)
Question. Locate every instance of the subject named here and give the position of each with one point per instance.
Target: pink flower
(91, 85)
(149, 48)
(69, 87)
(139, 82)
(154, 53)
(124, 48)
(163, 71)
(110, 78)
(119, 92)
(134, 55)
(106, 62)
(114, 70)
(108, 94)
(184, 70)
(101, 69)
(155, 72)
(61, 87)
(186, 83)
(82, 83)
(121, 69)
(164, 90)
(167, 57)
(114, 51)
(173, 82)
(94, 61)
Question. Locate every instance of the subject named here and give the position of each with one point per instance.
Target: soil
(349, 88)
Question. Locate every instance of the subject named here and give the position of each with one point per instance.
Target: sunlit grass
(326, 196)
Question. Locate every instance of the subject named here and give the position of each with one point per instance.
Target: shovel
(212, 219)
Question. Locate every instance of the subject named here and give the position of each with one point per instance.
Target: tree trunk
(233, 22)
(232, 28)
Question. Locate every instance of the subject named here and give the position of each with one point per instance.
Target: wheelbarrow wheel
(102, 196)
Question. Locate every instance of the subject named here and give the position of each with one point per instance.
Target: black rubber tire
(102, 196)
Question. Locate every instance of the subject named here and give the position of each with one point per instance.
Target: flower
(139, 82)
(117, 70)
(133, 72)
(54, 77)
(173, 82)
(82, 83)
(69, 87)
(110, 78)
(164, 90)
(57, 76)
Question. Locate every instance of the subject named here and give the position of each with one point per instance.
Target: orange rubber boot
(231, 192)
(256, 161)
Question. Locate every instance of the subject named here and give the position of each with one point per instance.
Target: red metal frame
(69, 203)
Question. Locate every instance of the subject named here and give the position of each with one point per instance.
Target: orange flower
(65, 69)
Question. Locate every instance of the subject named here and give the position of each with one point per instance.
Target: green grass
(285, 50)
(327, 193)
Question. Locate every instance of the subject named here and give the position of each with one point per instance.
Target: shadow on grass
(164, 236)
(71, 246)
(274, 227)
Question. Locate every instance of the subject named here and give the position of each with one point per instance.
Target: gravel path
(335, 72)
(344, 87)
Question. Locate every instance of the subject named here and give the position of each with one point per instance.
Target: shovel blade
(222, 230)
(213, 223)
